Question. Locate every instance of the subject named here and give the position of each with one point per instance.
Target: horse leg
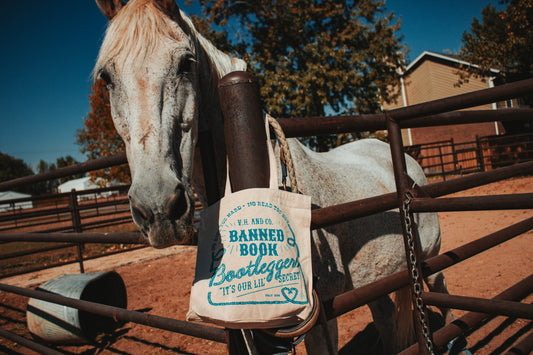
(437, 283)
(384, 315)
(316, 341)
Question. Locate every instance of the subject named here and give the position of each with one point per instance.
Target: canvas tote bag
(253, 266)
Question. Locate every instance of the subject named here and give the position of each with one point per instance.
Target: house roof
(452, 58)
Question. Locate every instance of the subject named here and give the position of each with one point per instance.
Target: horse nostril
(177, 204)
(141, 214)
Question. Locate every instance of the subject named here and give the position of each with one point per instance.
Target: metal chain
(417, 284)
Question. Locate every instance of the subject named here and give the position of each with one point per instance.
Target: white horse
(162, 77)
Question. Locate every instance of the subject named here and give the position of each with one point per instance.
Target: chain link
(417, 284)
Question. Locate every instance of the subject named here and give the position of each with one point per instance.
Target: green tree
(47, 186)
(63, 162)
(315, 57)
(50, 186)
(502, 40)
(13, 168)
(98, 138)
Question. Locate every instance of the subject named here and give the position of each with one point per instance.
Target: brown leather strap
(301, 328)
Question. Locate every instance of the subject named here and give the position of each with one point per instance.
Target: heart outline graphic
(289, 293)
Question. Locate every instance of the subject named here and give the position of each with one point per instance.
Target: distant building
(12, 195)
(82, 184)
(433, 76)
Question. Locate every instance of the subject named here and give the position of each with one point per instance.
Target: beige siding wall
(433, 80)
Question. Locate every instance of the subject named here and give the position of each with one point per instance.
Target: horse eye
(186, 65)
(104, 75)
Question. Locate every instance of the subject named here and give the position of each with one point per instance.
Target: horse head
(155, 66)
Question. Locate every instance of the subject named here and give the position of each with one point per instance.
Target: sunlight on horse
(162, 77)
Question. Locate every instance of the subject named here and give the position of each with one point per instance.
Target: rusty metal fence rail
(433, 113)
(50, 209)
(75, 211)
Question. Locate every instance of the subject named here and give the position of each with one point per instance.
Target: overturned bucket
(55, 323)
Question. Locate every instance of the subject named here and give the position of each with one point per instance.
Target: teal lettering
(263, 234)
(253, 249)
(272, 249)
(263, 249)
(252, 234)
(242, 236)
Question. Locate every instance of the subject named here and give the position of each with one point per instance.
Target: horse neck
(214, 65)
(210, 127)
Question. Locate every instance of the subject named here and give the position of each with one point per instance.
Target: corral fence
(240, 101)
(75, 211)
(485, 153)
(61, 212)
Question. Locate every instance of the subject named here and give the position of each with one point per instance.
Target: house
(12, 195)
(433, 76)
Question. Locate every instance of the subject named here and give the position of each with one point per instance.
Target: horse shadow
(368, 340)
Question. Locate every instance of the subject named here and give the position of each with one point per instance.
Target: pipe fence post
(411, 238)
(76, 224)
(245, 135)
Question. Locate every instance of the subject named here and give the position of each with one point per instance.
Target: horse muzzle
(164, 224)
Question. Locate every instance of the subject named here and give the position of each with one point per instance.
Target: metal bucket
(55, 323)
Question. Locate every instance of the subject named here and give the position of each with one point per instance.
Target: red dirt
(162, 287)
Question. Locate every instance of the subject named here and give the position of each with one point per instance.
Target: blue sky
(48, 49)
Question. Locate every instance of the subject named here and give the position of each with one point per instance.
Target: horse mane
(138, 28)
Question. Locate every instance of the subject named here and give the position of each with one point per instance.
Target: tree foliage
(98, 137)
(13, 168)
(316, 57)
(502, 40)
(50, 186)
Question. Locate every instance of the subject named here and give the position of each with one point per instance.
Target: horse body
(367, 248)
(355, 253)
(162, 78)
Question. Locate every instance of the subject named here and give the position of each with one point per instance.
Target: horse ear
(110, 7)
(169, 7)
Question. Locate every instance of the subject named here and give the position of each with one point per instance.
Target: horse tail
(405, 333)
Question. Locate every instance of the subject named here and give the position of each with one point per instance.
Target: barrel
(58, 324)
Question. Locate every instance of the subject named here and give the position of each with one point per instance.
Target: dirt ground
(161, 285)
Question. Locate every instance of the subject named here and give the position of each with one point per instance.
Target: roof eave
(443, 57)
